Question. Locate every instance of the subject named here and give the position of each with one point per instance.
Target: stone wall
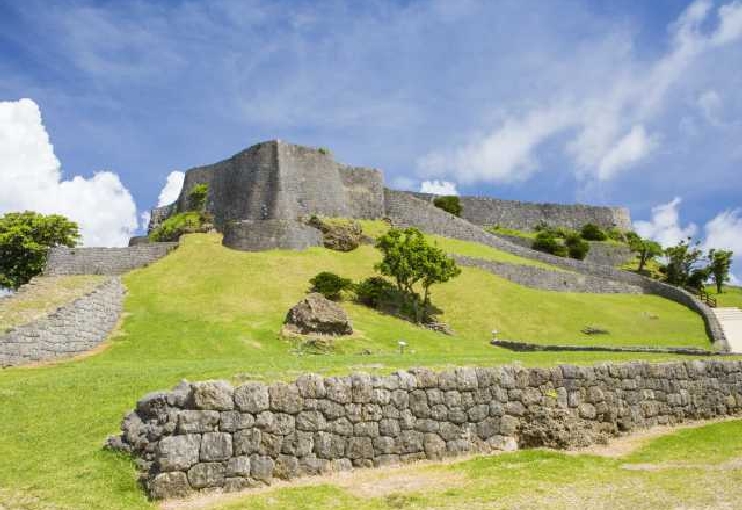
(252, 235)
(104, 261)
(601, 253)
(209, 436)
(406, 210)
(280, 181)
(485, 211)
(73, 329)
(545, 279)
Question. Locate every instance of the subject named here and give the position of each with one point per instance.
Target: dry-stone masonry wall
(104, 261)
(486, 211)
(406, 210)
(71, 330)
(210, 436)
(545, 279)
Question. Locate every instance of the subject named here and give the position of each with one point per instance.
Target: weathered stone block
(216, 446)
(251, 397)
(217, 395)
(238, 466)
(285, 398)
(206, 475)
(178, 453)
(170, 486)
(197, 421)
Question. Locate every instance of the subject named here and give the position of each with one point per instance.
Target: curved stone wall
(73, 329)
(487, 212)
(601, 253)
(257, 235)
(210, 436)
(406, 210)
(104, 261)
(544, 279)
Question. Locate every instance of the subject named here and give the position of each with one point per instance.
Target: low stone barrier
(73, 329)
(209, 436)
(545, 279)
(104, 261)
(531, 347)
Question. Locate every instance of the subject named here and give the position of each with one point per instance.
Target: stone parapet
(210, 436)
(104, 261)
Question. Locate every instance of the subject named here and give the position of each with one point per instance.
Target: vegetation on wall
(25, 240)
(646, 250)
(592, 232)
(193, 220)
(450, 204)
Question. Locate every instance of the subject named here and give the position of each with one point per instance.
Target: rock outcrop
(316, 314)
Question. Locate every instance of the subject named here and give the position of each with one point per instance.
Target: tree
(720, 266)
(592, 232)
(409, 259)
(330, 285)
(682, 263)
(25, 239)
(197, 197)
(450, 204)
(577, 247)
(645, 249)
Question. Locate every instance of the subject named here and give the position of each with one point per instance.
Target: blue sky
(634, 103)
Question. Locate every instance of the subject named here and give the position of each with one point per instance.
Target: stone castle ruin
(260, 197)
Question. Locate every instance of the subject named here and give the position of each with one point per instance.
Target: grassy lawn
(208, 312)
(692, 468)
(43, 296)
(732, 296)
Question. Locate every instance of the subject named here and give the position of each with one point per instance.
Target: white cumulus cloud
(171, 190)
(145, 217)
(603, 127)
(439, 188)
(32, 180)
(710, 104)
(664, 226)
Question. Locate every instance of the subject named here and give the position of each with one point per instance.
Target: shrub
(615, 234)
(197, 197)
(330, 285)
(592, 232)
(547, 242)
(374, 291)
(324, 151)
(451, 204)
(577, 247)
(177, 225)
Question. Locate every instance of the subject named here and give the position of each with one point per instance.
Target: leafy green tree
(591, 232)
(197, 197)
(577, 247)
(410, 260)
(682, 261)
(546, 241)
(720, 266)
(646, 250)
(25, 239)
(450, 204)
(175, 226)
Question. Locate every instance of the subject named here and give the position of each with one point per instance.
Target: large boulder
(317, 314)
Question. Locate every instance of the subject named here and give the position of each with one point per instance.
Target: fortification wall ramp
(72, 329)
(487, 212)
(104, 261)
(406, 210)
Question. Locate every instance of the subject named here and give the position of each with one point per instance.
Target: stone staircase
(731, 323)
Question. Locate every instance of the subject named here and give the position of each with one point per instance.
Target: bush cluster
(330, 285)
(175, 226)
(450, 204)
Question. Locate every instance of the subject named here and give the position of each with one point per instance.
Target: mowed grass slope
(209, 312)
(730, 297)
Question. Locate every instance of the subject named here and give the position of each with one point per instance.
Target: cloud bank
(32, 180)
(439, 187)
(608, 128)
